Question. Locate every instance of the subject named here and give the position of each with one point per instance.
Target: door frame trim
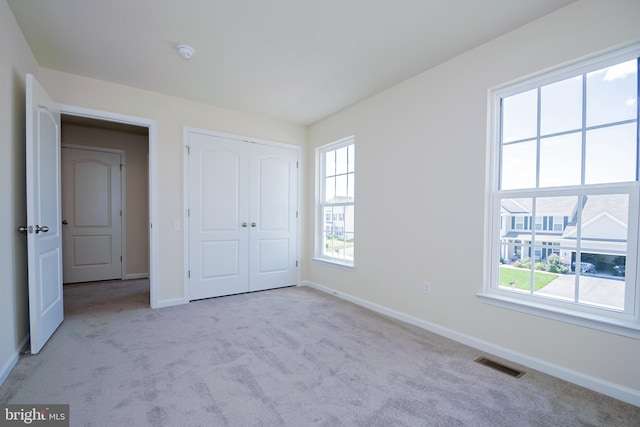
(123, 198)
(185, 174)
(152, 125)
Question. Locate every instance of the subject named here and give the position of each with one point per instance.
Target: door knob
(44, 229)
(22, 229)
(253, 224)
(65, 222)
(244, 224)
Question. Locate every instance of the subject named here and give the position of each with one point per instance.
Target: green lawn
(521, 278)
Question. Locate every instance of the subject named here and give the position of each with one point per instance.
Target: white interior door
(91, 215)
(274, 225)
(219, 216)
(44, 238)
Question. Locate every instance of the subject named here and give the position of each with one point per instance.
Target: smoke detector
(185, 51)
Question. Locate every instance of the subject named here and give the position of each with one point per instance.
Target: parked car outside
(619, 269)
(585, 267)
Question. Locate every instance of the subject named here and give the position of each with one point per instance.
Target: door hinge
(189, 212)
(120, 212)
(296, 214)
(296, 263)
(120, 166)
(189, 274)
(297, 166)
(188, 150)
(120, 258)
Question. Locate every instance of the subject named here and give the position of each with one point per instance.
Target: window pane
(328, 234)
(341, 160)
(560, 160)
(517, 279)
(518, 166)
(330, 163)
(352, 158)
(515, 214)
(520, 116)
(556, 209)
(604, 223)
(611, 154)
(602, 255)
(330, 189)
(542, 252)
(598, 284)
(348, 222)
(341, 188)
(560, 286)
(561, 106)
(529, 273)
(612, 94)
(351, 190)
(338, 232)
(509, 252)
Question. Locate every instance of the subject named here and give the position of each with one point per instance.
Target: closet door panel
(218, 241)
(273, 210)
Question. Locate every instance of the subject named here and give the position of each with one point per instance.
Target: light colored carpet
(286, 357)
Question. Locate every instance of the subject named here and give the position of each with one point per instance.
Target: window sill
(334, 263)
(602, 323)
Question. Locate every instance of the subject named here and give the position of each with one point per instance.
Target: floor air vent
(499, 367)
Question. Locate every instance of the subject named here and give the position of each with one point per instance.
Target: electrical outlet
(427, 287)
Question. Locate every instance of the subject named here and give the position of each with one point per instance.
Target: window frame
(626, 322)
(321, 203)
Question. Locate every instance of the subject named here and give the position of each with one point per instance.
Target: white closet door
(273, 210)
(219, 231)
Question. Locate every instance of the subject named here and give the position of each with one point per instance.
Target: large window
(564, 175)
(336, 238)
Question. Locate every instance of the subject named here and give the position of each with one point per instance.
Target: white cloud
(620, 71)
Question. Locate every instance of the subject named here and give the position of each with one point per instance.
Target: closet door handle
(253, 224)
(244, 225)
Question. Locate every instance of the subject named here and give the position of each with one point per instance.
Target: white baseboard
(134, 276)
(617, 391)
(170, 302)
(8, 366)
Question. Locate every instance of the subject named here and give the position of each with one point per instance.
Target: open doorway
(105, 168)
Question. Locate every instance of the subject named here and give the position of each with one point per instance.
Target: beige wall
(136, 148)
(420, 203)
(16, 61)
(171, 114)
(421, 167)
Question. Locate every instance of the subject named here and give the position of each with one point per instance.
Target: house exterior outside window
(335, 240)
(564, 150)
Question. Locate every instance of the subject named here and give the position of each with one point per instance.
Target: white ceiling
(294, 60)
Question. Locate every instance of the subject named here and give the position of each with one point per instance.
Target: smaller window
(336, 237)
(538, 223)
(519, 223)
(558, 223)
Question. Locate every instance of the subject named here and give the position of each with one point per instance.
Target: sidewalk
(601, 291)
